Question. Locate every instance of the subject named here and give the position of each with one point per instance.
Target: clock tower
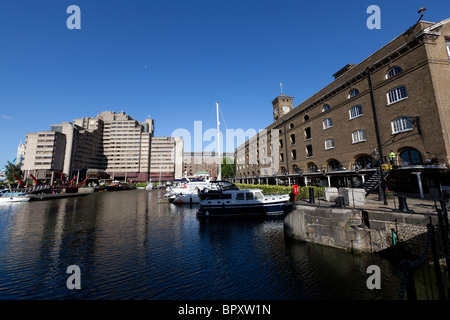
(282, 105)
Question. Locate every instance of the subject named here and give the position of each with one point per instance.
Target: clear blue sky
(173, 60)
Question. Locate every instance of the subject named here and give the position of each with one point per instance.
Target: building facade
(201, 164)
(393, 108)
(110, 144)
(166, 158)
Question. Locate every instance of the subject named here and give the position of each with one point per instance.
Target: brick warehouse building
(395, 101)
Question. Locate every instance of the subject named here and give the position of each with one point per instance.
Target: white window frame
(353, 93)
(392, 72)
(401, 124)
(355, 112)
(329, 144)
(327, 124)
(396, 95)
(359, 136)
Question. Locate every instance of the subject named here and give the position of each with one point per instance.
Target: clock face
(286, 109)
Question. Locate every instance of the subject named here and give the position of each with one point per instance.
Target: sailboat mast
(219, 176)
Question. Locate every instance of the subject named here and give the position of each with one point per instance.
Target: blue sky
(173, 60)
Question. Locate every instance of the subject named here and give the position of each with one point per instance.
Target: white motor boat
(14, 197)
(226, 199)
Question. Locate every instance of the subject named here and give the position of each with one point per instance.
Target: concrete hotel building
(395, 101)
(111, 144)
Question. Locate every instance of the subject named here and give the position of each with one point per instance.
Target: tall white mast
(219, 176)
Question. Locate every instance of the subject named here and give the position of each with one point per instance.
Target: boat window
(259, 195)
(249, 196)
(240, 196)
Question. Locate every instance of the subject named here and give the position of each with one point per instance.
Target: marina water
(131, 245)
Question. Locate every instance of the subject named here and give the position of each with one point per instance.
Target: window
(359, 136)
(353, 93)
(355, 112)
(329, 144)
(401, 124)
(291, 126)
(312, 168)
(294, 154)
(393, 72)
(249, 196)
(292, 138)
(281, 157)
(281, 143)
(309, 151)
(397, 94)
(327, 123)
(334, 165)
(448, 48)
(306, 118)
(240, 196)
(326, 107)
(410, 157)
(307, 133)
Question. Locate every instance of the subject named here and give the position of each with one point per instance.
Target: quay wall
(356, 229)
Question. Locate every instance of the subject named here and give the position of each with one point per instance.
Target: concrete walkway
(414, 202)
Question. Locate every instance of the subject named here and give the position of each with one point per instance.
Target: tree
(228, 168)
(12, 169)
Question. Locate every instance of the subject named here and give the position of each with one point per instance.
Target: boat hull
(14, 199)
(187, 199)
(264, 209)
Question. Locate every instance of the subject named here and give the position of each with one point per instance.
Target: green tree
(12, 169)
(228, 167)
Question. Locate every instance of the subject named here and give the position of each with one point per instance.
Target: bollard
(402, 205)
(311, 195)
(340, 201)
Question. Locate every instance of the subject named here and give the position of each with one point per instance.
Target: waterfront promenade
(415, 204)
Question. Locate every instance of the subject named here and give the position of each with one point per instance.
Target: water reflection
(129, 245)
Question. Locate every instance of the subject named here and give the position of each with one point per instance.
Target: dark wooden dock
(50, 196)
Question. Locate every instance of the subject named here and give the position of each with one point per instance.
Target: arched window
(334, 165)
(296, 169)
(306, 117)
(326, 107)
(410, 156)
(353, 93)
(397, 94)
(363, 162)
(291, 126)
(312, 167)
(393, 72)
(401, 124)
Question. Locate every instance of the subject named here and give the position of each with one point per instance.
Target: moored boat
(226, 199)
(14, 197)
